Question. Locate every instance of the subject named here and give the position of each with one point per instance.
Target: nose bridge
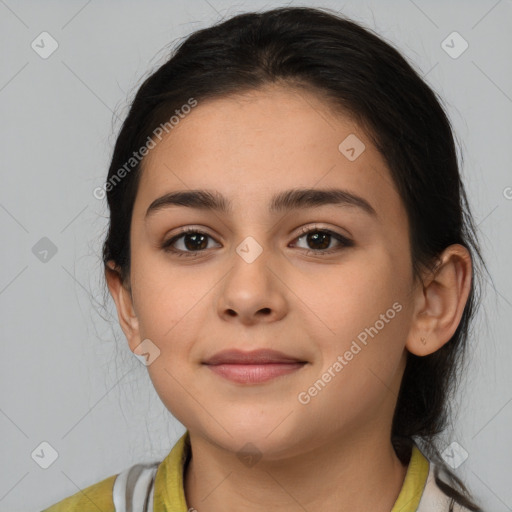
(250, 266)
(250, 250)
(251, 288)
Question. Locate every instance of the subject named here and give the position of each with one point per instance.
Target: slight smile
(253, 367)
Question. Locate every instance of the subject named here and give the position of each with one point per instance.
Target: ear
(121, 293)
(440, 301)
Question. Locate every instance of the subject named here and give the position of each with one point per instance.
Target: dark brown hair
(353, 70)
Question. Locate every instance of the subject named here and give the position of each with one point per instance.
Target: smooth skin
(309, 299)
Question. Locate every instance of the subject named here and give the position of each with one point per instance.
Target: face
(326, 283)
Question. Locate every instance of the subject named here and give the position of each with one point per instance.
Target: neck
(341, 475)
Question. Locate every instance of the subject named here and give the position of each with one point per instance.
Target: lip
(261, 356)
(253, 367)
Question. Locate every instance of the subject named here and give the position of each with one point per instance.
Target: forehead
(250, 146)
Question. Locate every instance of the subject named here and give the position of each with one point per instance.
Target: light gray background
(67, 375)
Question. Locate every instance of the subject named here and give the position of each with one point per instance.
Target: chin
(268, 437)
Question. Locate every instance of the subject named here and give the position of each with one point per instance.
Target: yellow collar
(169, 493)
(414, 482)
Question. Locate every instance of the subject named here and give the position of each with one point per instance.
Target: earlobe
(124, 304)
(440, 302)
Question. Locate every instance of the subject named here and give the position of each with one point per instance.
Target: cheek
(352, 296)
(168, 300)
(364, 306)
(361, 367)
(170, 306)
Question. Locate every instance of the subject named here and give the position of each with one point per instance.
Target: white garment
(134, 488)
(434, 499)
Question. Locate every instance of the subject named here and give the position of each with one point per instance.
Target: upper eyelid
(304, 229)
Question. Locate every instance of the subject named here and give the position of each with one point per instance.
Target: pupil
(314, 237)
(195, 237)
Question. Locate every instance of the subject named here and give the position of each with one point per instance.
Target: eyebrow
(282, 201)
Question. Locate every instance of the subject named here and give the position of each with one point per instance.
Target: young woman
(292, 253)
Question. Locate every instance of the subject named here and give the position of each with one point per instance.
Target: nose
(252, 291)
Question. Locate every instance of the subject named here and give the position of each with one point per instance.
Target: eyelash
(345, 242)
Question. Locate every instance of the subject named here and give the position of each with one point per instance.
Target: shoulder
(93, 498)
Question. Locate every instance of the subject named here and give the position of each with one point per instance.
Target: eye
(191, 241)
(321, 240)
